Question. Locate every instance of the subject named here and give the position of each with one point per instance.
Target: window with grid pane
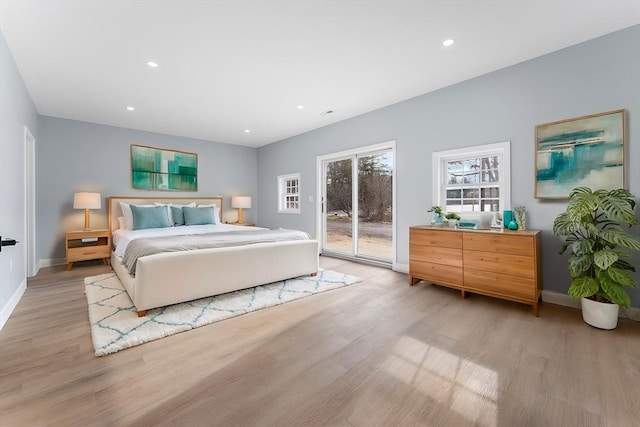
(289, 193)
(474, 179)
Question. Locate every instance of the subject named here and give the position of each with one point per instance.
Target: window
(473, 179)
(289, 193)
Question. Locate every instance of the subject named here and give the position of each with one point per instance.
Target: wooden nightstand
(248, 224)
(87, 245)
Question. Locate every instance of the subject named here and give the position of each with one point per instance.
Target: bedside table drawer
(87, 253)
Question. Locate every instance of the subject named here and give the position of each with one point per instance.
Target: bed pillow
(122, 225)
(216, 213)
(180, 219)
(150, 217)
(177, 215)
(198, 216)
(128, 216)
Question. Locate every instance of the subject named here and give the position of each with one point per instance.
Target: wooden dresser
(503, 264)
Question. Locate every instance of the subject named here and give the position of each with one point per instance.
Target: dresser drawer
(436, 255)
(500, 284)
(436, 273)
(440, 238)
(515, 265)
(500, 243)
(87, 253)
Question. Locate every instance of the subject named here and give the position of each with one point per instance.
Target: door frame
(341, 155)
(31, 268)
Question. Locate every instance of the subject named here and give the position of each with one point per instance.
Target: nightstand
(87, 245)
(248, 224)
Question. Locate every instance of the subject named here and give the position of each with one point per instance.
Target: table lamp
(240, 203)
(87, 201)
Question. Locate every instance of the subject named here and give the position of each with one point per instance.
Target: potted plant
(452, 218)
(592, 224)
(437, 214)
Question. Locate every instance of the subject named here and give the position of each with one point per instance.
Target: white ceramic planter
(599, 314)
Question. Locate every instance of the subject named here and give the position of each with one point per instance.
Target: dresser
(503, 264)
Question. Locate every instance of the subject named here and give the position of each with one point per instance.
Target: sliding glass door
(357, 196)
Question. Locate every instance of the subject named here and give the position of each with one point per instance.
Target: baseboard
(51, 262)
(630, 313)
(12, 303)
(401, 268)
(560, 299)
(565, 300)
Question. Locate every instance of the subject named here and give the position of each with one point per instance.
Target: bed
(161, 279)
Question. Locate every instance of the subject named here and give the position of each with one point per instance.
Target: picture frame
(586, 151)
(163, 169)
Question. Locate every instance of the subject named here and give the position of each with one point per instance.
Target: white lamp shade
(243, 202)
(87, 201)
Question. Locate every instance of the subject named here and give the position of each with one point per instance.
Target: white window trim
(282, 179)
(439, 158)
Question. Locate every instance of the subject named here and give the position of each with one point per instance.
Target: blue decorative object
(437, 218)
(507, 216)
(513, 225)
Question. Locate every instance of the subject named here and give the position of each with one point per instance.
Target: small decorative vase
(453, 223)
(437, 219)
(507, 216)
(520, 215)
(513, 225)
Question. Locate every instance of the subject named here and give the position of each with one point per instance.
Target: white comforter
(122, 238)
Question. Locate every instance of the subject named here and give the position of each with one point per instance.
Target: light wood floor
(378, 353)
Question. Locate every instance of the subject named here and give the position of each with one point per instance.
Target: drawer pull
(89, 253)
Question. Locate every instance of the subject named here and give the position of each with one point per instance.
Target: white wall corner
(12, 303)
(401, 268)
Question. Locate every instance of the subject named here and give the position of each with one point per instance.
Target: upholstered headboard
(115, 210)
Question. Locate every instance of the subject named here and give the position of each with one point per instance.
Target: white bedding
(122, 238)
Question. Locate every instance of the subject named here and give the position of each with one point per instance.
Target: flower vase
(521, 218)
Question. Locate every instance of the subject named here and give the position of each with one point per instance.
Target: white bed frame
(174, 277)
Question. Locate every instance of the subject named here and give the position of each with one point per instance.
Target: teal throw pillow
(150, 217)
(198, 216)
(178, 216)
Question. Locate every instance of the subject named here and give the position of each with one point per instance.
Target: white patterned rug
(115, 324)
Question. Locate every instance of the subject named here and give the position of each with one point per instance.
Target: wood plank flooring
(380, 353)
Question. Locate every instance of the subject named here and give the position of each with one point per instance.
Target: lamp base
(87, 220)
(240, 216)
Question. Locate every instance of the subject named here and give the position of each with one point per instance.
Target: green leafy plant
(452, 215)
(436, 209)
(592, 226)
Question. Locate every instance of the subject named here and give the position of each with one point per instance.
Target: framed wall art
(161, 169)
(585, 151)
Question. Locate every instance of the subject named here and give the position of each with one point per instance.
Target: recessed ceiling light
(300, 107)
(152, 64)
(447, 42)
(130, 108)
(247, 130)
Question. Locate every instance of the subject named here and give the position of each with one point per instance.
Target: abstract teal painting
(586, 151)
(161, 169)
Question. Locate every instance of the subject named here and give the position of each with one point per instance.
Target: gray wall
(16, 111)
(78, 156)
(596, 76)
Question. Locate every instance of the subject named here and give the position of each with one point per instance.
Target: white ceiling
(227, 66)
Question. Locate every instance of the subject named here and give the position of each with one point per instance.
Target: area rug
(115, 324)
